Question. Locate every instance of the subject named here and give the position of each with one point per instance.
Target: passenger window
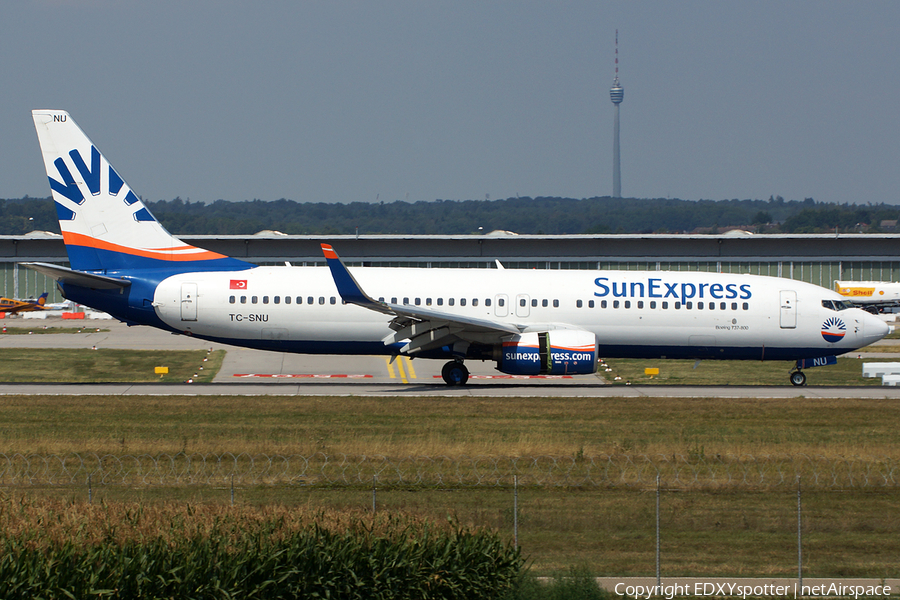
(665, 305)
(699, 306)
(333, 300)
(487, 301)
(734, 306)
(474, 301)
(321, 299)
(427, 301)
(265, 299)
(231, 300)
(254, 299)
(299, 299)
(462, 301)
(418, 301)
(653, 304)
(688, 305)
(615, 304)
(276, 300)
(534, 302)
(603, 304)
(590, 304)
(578, 304)
(722, 305)
(393, 301)
(628, 304)
(243, 299)
(381, 299)
(746, 306)
(544, 303)
(522, 302)
(451, 301)
(556, 304)
(501, 302)
(640, 304)
(712, 306)
(440, 301)
(287, 299)
(677, 305)
(406, 301)
(309, 300)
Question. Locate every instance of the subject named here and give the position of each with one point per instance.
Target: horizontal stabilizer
(65, 275)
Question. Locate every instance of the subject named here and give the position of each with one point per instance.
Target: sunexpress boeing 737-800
(528, 322)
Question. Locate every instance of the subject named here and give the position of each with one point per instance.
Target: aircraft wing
(423, 327)
(89, 280)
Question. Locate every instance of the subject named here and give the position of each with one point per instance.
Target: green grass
(106, 365)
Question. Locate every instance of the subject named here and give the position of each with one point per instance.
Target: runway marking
(400, 369)
(409, 367)
(390, 368)
(514, 376)
(304, 375)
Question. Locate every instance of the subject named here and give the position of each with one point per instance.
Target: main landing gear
(455, 373)
(798, 378)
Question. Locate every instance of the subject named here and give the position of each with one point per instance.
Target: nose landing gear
(798, 378)
(455, 373)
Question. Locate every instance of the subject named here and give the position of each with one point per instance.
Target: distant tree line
(521, 215)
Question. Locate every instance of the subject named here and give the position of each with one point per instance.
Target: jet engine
(557, 352)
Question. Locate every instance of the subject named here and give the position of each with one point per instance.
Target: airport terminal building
(816, 258)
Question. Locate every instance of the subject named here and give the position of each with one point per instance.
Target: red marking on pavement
(514, 376)
(302, 375)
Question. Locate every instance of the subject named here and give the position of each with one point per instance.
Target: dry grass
(453, 427)
(106, 365)
(852, 533)
(847, 372)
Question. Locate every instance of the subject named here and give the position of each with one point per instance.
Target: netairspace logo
(833, 330)
(736, 590)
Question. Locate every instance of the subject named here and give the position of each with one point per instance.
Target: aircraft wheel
(798, 378)
(455, 373)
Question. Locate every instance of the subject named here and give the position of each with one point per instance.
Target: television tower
(616, 94)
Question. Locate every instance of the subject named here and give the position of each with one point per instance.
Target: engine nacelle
(557, 352)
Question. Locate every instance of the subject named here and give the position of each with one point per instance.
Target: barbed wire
(678, 471)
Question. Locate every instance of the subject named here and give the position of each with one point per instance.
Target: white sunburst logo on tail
(833, 330)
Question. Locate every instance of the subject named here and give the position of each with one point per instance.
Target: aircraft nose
(875, 328)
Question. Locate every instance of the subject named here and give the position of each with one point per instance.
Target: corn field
(59, 550)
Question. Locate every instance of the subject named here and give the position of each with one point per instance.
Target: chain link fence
(678, 471)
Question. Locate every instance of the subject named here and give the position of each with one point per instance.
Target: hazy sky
(352, 101)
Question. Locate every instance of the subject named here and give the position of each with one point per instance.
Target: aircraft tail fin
(42, 299)
(105, 226)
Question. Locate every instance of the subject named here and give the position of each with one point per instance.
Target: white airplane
(871, 294)
(529, 322)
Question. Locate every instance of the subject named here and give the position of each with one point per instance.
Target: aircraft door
(188, 301)
(522, 307)
(501, 305)
(788, 309)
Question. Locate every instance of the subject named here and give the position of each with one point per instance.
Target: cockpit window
(837, 304)
(843, 304)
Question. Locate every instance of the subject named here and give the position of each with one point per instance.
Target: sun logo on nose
(833, 330)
